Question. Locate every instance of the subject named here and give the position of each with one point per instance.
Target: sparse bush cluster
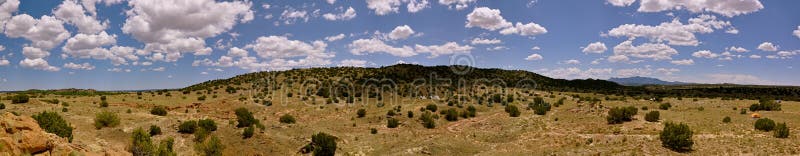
(19, 98)
(142, 145)
(322, 144)
(677, 137)
(431, 107)
(618, 115)
(665, 106)
(451, 114)
(159, 110)
(210, 147)
(781, 131)
(427, 120)
(765, 124)
(248, 132)
(155, 130)
(106, 119)
(245, 118)
(512, 110)
(652, 116)
(187, 127)
(287, 119)
(392, 123)
(207, 124)
(103, 102)
(361, 113)
(539, 106)
(765, 105)
(51, 122)
(51, 101)
(192, 126)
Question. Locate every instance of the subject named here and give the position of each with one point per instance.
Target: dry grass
(571, 129)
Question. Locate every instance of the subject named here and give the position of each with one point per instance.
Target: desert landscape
(463, 123)
(399, 77)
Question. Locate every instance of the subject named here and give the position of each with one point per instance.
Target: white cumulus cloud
(596, 47)
(348, 14)
(683, 62)
(490, 19)
(727, 8)
(767, 46)
(534, 57)
(401, 32)
(83, 66)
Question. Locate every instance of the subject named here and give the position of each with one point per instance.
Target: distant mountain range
(638, 81)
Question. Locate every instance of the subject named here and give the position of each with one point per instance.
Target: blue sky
(146, 44)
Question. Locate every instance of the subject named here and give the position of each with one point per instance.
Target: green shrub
(559, 102)
(652, 116)
(665, 106)
(390, 113)
(765, 105)
(2, 106)
(781, 131)
(141, 144)
(211, 147)
(64, 109)
(201, 134)
(159, 110)
(155, 130)
(373, 131)
(361, 113)
(726, 120)
(512, 110)
(410, 114)
(392, 123)
(539, 106)
(165, 148)
(744, 111)
(207, 124)
(427, 120)
(677, 137)
(248, 132)
(451, 114)
(245, 118)
(323, 144)
(765, 124)
(644, 108)
(287, 119)
(103, 98)
(201, 98)
(51, 101)
(106, 119)
(618, 115)
(496, 98)
(187, 127)
(103, 104)
(19, 98)
(471, 111)
(431, 107)
(51, 122)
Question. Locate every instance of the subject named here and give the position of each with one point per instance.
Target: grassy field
(575, 128)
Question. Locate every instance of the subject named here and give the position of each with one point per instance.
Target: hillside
(638, 81)
(408, 73)
(405, 76)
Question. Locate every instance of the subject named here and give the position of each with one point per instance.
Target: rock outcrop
(21, 135)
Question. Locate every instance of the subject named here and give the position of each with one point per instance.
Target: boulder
(21, 135)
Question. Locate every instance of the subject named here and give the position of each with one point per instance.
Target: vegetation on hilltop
(405, 76)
